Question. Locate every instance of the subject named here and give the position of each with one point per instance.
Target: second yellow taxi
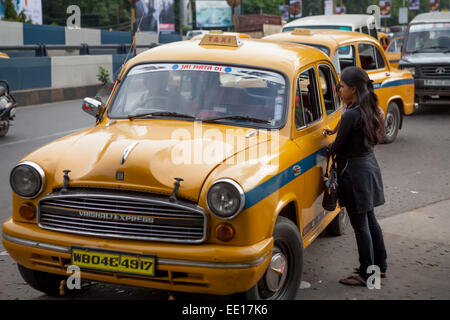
(394, 88)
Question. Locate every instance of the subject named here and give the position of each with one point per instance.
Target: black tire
(42, 281)
(339, 224)
(391, 123)
(4, 130)
(288, 245)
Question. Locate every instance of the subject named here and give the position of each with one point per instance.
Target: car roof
(284, 57)
(431, 17)
(331, 38)
(336, 19)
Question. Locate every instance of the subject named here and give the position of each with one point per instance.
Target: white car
(194, 33)
(363, 23)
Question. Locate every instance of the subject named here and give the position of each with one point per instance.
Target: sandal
(354, 281)
(382, 274)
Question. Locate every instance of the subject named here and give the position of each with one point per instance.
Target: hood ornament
(65, 181)
(127, 151)
(173, 197)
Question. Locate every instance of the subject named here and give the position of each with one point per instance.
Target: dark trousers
(370, 242)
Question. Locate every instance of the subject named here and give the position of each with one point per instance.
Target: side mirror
(92, 107)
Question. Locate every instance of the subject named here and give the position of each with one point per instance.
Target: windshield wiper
(256, 120)
(160, 114)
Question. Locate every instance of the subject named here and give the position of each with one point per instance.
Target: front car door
(309, 124)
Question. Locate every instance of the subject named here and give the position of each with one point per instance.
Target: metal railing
(41, 50)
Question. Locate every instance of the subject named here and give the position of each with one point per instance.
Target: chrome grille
(430, 71)
(123, 215)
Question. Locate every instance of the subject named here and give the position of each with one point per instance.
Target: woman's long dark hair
(367, 100)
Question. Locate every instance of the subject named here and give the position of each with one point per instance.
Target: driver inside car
(157, 96)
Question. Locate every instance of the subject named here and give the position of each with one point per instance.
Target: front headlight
(225, 198)
(27, 179)
(410, 69)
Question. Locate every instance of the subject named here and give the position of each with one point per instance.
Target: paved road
(416, 173)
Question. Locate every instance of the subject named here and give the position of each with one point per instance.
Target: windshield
(322, 48)
(430, 37)
(201, 92)
(347, 28)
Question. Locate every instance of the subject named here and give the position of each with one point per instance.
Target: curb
(47, 95)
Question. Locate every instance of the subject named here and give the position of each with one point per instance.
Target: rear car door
(394, 51)
(372, 60)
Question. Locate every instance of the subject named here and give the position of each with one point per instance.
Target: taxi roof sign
(302, 32)
(221, 40)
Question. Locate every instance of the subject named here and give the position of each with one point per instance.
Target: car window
(328, 86)
(370, 57)
(365, 30)
(307, 105)
(322, 48)
(347, 57)
(373, 32)
(396, 46)
(380, 61)
(346, 28)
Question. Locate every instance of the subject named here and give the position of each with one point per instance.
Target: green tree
(262, 6)
(10, 12)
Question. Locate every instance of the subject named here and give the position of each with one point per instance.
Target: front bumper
(205, 268)
(431, 94)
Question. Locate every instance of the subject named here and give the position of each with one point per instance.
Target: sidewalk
(418, 245)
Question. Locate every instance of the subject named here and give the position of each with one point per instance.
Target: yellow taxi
(394, 88)
(394, 51)
(3, 55)
(203, 174)
(384, 39)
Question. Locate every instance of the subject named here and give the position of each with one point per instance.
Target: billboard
(434, 5)
(328, 7)
(155, 15)
(385, 9)
(414, 4)
(341, 10)
(213, 14)
(294, 10)
(31, 8)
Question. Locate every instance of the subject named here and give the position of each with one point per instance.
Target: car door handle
(388, 74)
(324, 132)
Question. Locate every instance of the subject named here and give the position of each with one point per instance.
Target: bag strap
(329, 155)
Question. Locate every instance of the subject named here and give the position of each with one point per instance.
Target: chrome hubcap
(390, 124)
(277, 272)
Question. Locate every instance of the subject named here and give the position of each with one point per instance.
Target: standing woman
(360, 183)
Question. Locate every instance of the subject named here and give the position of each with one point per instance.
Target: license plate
(437, 82)
(113, 261)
